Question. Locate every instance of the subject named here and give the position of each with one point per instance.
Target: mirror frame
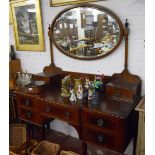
(100, 8)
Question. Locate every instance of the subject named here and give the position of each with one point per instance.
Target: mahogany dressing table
(110, 124)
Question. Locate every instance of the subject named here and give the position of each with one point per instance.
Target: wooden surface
(110, 124)
(117, 117)
(141, 105)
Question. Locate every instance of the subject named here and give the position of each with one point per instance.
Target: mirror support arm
(51, 46)
(126, 33)
(51, 68)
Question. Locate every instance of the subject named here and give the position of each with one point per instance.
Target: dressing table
(113, 122)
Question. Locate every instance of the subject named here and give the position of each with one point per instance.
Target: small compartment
(100, 121)
(100, 138)
(46, 148)
(66, 113)
(25, 101)
(29, 115)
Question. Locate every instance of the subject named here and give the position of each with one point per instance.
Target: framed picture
(10, 16)
(27, 24)
(66, 2)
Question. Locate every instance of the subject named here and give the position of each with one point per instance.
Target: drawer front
(68, 114)
(99, 138)
(65, 113)
(26, 101)
(46, 108)
(100, 121)
(28, 115)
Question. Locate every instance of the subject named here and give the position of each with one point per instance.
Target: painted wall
(133, 10)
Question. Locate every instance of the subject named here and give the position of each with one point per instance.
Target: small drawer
(66, 113)
(25, 101)
(46, 108)
(99, 138)
(100, 121)
(28, 115)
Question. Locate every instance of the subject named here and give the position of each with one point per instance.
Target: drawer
(99, 138)
(45, 108)
(28, 115)
(59, 111)
(66, 113)
(100, 121)
(26, 101)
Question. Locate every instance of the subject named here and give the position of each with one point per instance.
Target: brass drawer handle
(67, 114)
(47, 109)
(100, 122)
(100, 139)
(29, 114)
(28, 102)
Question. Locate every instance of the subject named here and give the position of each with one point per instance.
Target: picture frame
(27, 25)
(10, 16)
(69, 2)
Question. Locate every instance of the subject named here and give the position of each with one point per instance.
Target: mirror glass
(87, 32)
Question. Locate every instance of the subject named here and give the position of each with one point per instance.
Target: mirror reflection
(86, 32)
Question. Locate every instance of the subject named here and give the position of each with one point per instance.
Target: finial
(49, 27)
(126, 23)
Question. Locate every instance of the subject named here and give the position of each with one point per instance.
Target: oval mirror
(87, 31)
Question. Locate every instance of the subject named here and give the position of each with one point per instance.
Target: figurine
(65, 86)
(90, 91)
(76, 83)
(89, 87)
(87, 83)
(73, 96)
(79, 92)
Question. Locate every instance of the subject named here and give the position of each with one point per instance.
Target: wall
(133, 10)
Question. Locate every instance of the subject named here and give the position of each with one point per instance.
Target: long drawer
(29, 115)
(26, 101)
(60, 111)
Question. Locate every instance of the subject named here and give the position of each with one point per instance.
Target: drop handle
(47, 109)
(100, 122)
(67, 114)
(100, 139)
(29, 114)
(28, 102)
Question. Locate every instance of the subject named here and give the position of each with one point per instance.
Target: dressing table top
(108, 107)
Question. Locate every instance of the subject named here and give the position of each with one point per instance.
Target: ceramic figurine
(87, 83)
(90, 91)
(65, 86)
(89, 87)
(79, 92)
(77, 82)
(73, 96)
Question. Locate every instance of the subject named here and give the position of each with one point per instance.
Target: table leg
(84, 145)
